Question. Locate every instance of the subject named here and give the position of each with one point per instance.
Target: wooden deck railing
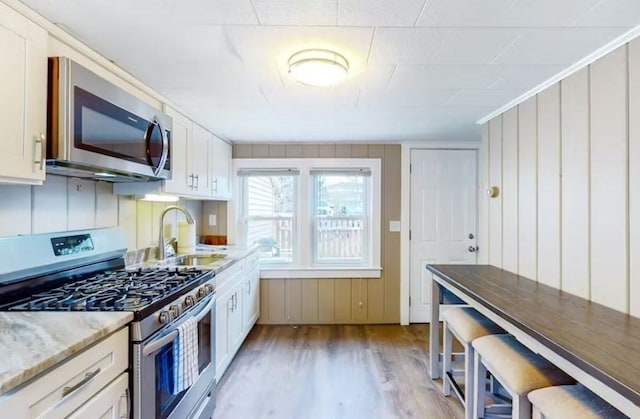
(337, 237)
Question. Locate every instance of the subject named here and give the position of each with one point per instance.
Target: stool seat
(572, 402)
(469, 324)
(517, 367)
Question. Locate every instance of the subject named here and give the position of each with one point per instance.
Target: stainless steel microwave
(97, 130)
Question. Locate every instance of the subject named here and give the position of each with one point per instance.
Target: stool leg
(521, 407)
(446, 359)
(479, 385)
(469, 391)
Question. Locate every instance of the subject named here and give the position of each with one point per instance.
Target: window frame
(303, 266)
(313, 217)
(244, 216)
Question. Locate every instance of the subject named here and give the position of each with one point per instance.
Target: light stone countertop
(234, 254)
(33, 342)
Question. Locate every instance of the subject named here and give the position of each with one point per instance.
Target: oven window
(102, 127)
(166, 401)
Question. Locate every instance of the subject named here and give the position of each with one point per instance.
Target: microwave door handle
(165, 148)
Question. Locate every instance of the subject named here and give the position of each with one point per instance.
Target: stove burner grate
(113, 291)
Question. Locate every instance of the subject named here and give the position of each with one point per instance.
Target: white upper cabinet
(199, 161)
(189, 158)
(23, 102)
(220, 169)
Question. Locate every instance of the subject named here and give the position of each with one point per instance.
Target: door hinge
(410, 168)
(409, 301)
(409, 234)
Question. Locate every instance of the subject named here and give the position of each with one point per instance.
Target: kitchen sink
(199, 259)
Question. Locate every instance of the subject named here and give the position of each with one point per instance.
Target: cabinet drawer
(66, 387)
(112, 402)
(228, 275)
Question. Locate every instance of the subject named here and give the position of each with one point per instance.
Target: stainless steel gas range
(85, 271)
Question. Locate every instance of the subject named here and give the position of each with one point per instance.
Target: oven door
(153, 371)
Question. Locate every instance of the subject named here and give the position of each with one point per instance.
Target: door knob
(472, 249)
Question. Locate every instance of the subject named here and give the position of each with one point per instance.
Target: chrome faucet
(161, 245)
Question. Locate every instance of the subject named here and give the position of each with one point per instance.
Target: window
(269, 209)
(317, 218)
(340, 220)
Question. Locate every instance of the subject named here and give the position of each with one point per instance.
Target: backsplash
(219, 210)
(66, 204)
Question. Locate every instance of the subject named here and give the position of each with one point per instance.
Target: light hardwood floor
(333, 372)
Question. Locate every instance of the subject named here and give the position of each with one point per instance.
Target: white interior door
(443, 218)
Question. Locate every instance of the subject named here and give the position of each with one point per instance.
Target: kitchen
(521, 148)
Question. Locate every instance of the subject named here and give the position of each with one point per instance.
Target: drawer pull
(87, 377)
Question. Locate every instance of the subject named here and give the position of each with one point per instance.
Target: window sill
(318, 272)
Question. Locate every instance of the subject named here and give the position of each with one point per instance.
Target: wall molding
(579, 65)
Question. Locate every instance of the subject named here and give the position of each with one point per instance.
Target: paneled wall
(357, 300)
(568, 166)
(65, 204)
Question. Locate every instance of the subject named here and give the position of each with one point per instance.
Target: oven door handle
(154, 345)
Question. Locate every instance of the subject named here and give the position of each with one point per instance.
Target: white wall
(65, 204)
(567, 163)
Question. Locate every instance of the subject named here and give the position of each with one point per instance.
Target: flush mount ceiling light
(318, 67)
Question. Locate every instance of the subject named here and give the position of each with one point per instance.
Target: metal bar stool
(570, 402)
(517, 369)
(466, 324)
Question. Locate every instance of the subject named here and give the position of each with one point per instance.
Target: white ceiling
(419, 69)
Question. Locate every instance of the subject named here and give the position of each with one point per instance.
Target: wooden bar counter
(598, 346)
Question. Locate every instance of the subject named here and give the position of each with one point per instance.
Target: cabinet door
(112, 402)
(23, 83)
(224, 306)
(199, 162)
(251, 303)
(220, 169)
(181, 181)
(235, 326)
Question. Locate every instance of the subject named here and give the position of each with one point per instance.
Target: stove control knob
(175, 311)
(165, 317)
(202, 292)
(208, 288)
(189, 301)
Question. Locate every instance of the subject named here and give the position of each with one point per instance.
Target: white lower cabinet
(251, 298)
(92, 384)
(224, 305)
(238, 289)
